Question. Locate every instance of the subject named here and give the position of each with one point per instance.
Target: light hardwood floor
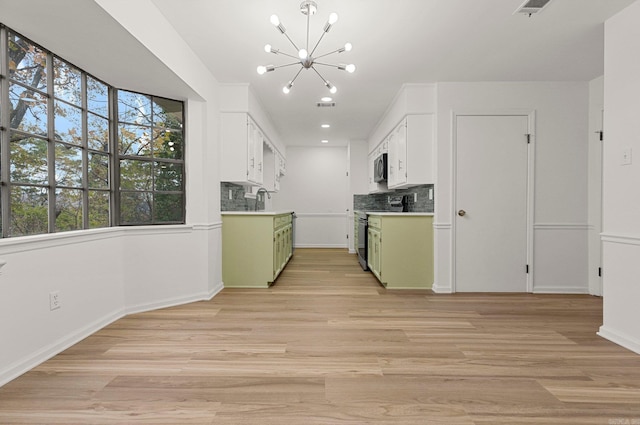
(328, 345)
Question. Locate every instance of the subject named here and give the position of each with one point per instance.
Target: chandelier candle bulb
(263, 69)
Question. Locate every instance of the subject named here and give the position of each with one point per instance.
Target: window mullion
(114, 157)
(153, 166)
(51, 144)
(85, 152)
(5, 193)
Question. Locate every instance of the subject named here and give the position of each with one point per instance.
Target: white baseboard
(15, 370)
(23, 366)
(439, 289)
(321, 246)
(170, 302)
(619, 338)
(215, 291)
(561, 290)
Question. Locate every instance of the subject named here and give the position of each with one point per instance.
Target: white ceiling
(394, 42)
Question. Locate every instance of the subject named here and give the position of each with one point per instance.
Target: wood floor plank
(328, 345)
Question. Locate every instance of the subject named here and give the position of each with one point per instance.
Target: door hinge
(527, 269)
(599, 271)
(528, 138)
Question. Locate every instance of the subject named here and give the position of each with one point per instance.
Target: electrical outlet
(230, 194)
(54, 300)
(430, 193)
(415, 197)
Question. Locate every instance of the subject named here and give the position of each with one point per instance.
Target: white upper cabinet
(241, 149)
(407, 133)
(271, 170)
(255, 151)
(282, 164)
(410, 159)
(247, 135)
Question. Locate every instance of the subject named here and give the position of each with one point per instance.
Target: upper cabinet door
(413, 141)
(401, 151)
(251, 149)
(392, 159)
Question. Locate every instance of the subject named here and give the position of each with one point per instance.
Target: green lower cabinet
(255, 248)
(400, 250)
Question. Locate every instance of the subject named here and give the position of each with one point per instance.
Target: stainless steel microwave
(380, 168)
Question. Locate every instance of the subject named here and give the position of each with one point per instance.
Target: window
(151, 162)
(79, 154)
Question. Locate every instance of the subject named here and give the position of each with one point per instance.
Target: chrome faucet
(262, 189)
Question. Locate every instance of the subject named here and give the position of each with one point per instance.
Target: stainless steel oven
(363, 229)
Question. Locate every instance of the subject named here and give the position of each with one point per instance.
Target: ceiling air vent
(326, 104)
(531, 7)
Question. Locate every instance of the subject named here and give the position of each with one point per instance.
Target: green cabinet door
(401, 250)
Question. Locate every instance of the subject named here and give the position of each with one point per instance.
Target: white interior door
(491, 203)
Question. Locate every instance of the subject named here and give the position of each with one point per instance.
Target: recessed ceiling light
(326, 99)
(325, 125)
(324, 141)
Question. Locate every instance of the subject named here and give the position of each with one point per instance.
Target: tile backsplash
(380, 201)
(237, 202)
(373, 202)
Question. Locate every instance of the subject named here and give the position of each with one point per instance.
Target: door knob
(461, 213)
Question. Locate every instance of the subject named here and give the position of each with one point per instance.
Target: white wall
(560, 217)
(316, 187)
(621, 197)
(105, 273)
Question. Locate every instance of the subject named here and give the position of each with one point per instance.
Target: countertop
(393, 213)
(256, 212)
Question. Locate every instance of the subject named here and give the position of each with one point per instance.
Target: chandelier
(305, 57)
